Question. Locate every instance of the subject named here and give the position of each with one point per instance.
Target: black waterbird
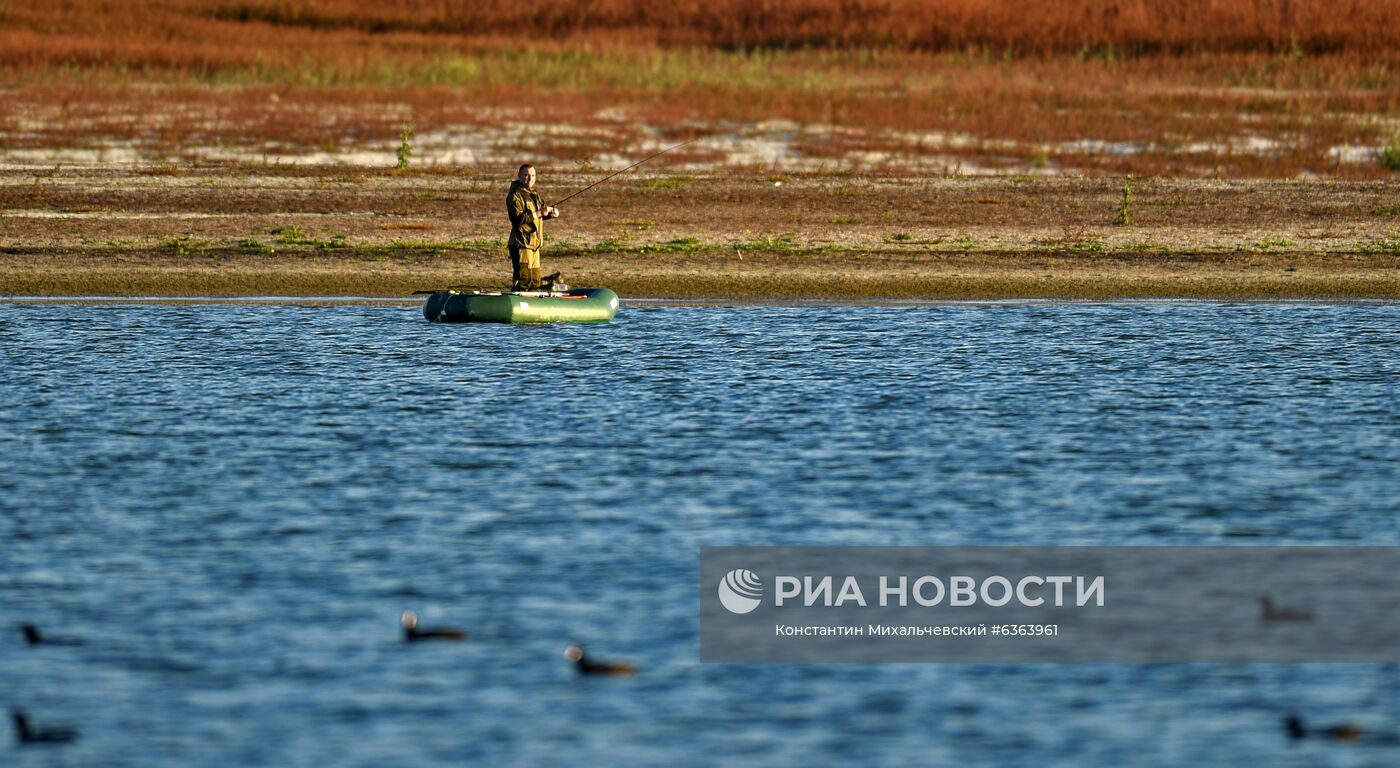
(412, 632)
(587, 666)
(28, 733)
(1271, 612)
(1297, 730)
(33, 636)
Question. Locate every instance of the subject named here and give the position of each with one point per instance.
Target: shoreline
(839, 275)
(735, 236)
(645, 302)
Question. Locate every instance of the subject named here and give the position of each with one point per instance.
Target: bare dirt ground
(268, 230)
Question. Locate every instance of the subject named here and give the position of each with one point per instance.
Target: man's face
(527, 177)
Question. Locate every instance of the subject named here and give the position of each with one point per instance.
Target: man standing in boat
(527, 213)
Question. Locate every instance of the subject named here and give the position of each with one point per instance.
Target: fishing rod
(625, 170)
(585, 189)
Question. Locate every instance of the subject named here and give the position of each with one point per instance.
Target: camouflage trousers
(525, 269)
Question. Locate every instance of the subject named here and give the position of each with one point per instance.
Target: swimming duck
(411, 632)
(1297, 730)
(1272, 612)
(27, 733)
(587, 666)
(33, 636)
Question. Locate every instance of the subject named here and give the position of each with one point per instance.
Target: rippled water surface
(231, 505)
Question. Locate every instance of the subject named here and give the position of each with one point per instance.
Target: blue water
(231, 505)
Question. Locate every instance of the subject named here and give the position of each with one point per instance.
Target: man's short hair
(522, 168)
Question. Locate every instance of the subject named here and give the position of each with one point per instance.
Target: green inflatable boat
(582, 305)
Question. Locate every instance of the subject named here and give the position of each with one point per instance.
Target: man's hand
(550, 212)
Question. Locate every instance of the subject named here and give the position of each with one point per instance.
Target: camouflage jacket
(526, 212)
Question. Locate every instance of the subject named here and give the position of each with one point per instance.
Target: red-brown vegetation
(1016, 82)
(220, 33)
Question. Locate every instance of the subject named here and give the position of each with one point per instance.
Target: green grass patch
(1125, 205)
(438, 247)
(1382, 245)
(1076, 243)
(289, 235)
(1386, 210)
(482, 244)
(1390, 154)
(1273, 244)
(256, 246)
(786, 242)
(292, 235)
(844, 220)
(186, 245)
(668, 182)
(901, 237)
(678, 245)
(405, 150)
